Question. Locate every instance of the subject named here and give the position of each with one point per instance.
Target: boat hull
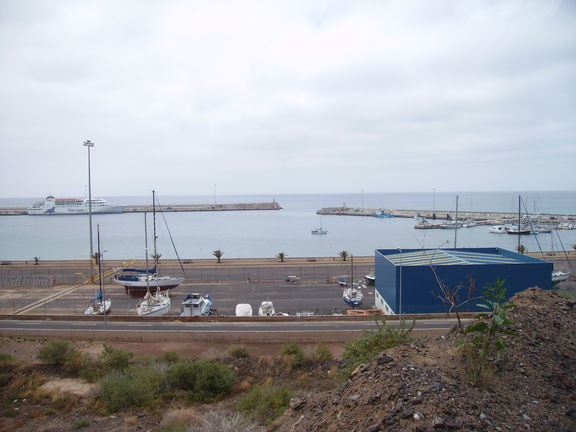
(103, 308)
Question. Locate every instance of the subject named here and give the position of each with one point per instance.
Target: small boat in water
(515, 230)
(266, 309)
(156, 304)
(382, 214)
(196, 305)
(498, 229)
(72, 206)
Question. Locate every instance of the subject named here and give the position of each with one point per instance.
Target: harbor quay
(18, 211)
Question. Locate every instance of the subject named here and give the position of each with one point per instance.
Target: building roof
(424, 257)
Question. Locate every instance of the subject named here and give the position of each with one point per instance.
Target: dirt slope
(421, 386)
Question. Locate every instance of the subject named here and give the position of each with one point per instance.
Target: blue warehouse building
(407, 280)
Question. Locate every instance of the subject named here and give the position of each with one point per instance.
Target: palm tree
(343, 254)
(36, 260)
(96, 257)
(281, 256)
(218, 254)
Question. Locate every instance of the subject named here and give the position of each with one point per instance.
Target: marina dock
(18, 211)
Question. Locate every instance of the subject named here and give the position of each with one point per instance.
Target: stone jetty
(17, 211)
(482, 217)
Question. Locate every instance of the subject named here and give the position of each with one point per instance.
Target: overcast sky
(286, 96)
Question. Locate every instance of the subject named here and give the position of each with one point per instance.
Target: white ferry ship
(67, 206)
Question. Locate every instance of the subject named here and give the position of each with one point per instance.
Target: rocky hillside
(422, 386)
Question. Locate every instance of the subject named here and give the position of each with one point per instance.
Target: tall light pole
(88, 144)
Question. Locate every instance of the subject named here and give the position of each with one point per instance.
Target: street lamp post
(88, 144)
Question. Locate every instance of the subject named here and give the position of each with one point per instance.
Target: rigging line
(171, 238)
(564, 250)
(531, 226)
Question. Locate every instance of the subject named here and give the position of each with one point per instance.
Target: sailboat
(152, 304)
(99, 305)
(319, 231)
(352, 295)
(137, 282)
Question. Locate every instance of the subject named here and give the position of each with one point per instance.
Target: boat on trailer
(196, 304)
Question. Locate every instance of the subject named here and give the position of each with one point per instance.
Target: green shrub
(322, 354)
(6, 359)
(293, 356)
(290, 348)
(204, 380)
(238, 351)
(265, 403)
(56, 352)
(79, 424)
(178, 426)
(115, 359)
(484, 337)
(372, 343)
(169, 357)
(134, 388)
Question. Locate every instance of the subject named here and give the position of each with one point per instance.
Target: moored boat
(72, 206)
(498, 229)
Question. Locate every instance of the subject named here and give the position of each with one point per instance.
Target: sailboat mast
(146, 253)
(456, 222)
(519, 203)
(154, 223)
(99, 263)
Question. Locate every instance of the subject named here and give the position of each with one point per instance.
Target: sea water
(256, 234)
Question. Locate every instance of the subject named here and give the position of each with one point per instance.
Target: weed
(238, 351)
(50, 411)
(322, 354)
(79, 424)
(178, 426)
(10, 412)
(265, 403)
(294, 357)
(486, 335)
(56, 352)
(223, 421)
(372, 343)
(204, 380)
(135, 388)
(115, 359)
(169, 357)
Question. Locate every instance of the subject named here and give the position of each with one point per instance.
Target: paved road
(341, 330)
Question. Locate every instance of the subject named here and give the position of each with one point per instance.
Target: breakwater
(481, 216)
(18, 211)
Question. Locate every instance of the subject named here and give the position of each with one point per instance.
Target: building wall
(420, 284)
